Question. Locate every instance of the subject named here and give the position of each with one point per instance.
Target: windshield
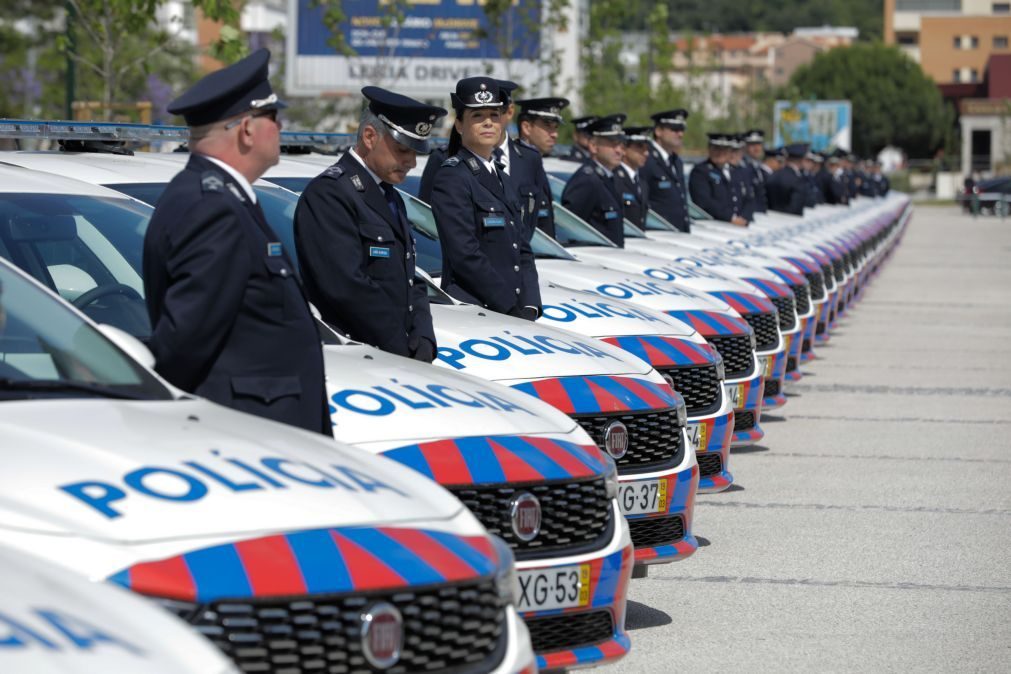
(47, 350)
(296, 185)
(571, 231)
(411, 184)
(86, 249)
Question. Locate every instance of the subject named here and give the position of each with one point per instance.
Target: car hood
(501, 348)
(595, 316)
(379, 401)
(125, 472)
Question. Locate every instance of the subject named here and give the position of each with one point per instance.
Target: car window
(572, 231)
(296, 185)
(48, 350)
(86, 249)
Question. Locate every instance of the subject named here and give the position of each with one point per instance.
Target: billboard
(825, 125)
(436, 43)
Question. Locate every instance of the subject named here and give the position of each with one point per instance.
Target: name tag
(542, 213)
(610, 215)
(664, 184)
(494, 221)
(628, 196)
(274, 249)
(378, 251)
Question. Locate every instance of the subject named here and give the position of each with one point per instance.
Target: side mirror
(128, 343)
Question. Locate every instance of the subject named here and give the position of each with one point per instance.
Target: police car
(283, 548)
(521, 466)
(56, 622)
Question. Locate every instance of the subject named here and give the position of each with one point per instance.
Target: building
(952, 40)
(986, 121)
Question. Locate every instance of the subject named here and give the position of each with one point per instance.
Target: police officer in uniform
(756, 171)
(539, 119)
(580, 150)
(591, 192)
(633, 193)
(486, 252)
(740, 179)
(523, 165)
(353, 237)
(787, 188)
(229, 319)
(663, 175)
(710, 183)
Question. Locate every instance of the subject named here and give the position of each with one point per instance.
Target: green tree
(894, 101)
(782, 16)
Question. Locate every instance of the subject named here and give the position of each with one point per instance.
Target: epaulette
(333, 171)
(451, 161)
(528, 146)
(474, 166)
(601, 173)
(211, 181)
(588, 170)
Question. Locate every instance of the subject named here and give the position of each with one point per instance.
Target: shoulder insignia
(451, 161)
(334, 171)
(588, 170)
(356, 180)
(211, 181)
(600, 172)
(472, 163)
(234, 189)
(621, 172)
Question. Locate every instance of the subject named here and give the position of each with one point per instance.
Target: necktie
(499, 156)
(390, 192)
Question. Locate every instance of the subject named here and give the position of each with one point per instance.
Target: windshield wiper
(65, 386)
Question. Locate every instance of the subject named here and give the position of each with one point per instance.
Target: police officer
(353, 237)
(633, 193)
(524, 167)
(710, 183)
(591, 193)
(229, 320)
(812, 163)
(539, 119)
(580, 150)
(740, 180)
(787, 188)
(486, 253)
(756, 171)
(663, 175)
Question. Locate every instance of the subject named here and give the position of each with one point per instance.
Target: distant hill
(737, 16)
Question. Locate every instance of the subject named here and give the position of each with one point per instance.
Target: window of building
(956, 42)
(1001, 7)
(973, 75)
(1000, 41)
(907, 39)
(974, 42)
(956, 75)
(928, 5)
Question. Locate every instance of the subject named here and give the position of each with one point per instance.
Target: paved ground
(871, 530)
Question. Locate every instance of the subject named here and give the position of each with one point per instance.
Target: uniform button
(517, 291)
(516, 267)
(284, 272)
(516, 245)
(410, 307)
(380, 238)
(411, 282)
(408, 256)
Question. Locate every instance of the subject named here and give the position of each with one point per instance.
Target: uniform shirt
(358, 259)
(712, 192)
(486, 255)
(592, 195)
(787, 191)
(633, 195)
(663, 180)
(533, 188)
(228, 315)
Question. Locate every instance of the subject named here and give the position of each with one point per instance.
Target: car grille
(445, 627)
(766, 327)
(654, 438)
(653, 531)
(785, 309)
(569, 631)
(771, 387)
(744, 420)
(574, 515)
(699, 386)
(826, 271)
(802, 294)
(710, 463)
(838, 270)
(817, 283)
(738, 356)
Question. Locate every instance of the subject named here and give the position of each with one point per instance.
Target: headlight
(682, 415)
(611, 479)
(507, 582)
(721, 369)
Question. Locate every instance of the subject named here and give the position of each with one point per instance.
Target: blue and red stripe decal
(601, 394)
(712, 323)
(665, 351)
(788, 275)
(319, 561)
(501, 459)
(771, 288)
(746, 303)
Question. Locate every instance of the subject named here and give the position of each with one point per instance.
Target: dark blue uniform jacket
(592, 195)
(666, 189)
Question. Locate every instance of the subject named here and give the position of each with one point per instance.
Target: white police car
(282, 547)
(53, 621)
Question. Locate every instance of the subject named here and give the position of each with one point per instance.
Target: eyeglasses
(270, 114)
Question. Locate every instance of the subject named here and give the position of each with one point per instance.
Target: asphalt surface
(871, 529)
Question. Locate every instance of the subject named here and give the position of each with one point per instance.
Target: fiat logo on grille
(526, 517)
(382, 635)
(616, 439)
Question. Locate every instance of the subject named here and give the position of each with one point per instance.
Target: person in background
(740, 178)
(663, 175)
(710, 183)
(787, 188)
(591, 193)
(539, 120)
(756, 171)
(580, 150)
(634, 194)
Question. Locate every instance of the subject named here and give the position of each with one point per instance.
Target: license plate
(769, 360)
(697, 437)
(648, 496)
(736, 394)
(560, 587)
